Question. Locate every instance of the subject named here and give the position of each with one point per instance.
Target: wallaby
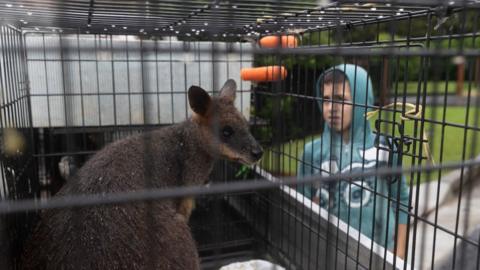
(152, 234)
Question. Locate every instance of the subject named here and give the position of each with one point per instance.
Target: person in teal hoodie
(372, 205)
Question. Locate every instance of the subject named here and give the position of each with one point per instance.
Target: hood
(362, 95)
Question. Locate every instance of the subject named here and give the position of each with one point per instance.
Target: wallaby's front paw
(186, 207)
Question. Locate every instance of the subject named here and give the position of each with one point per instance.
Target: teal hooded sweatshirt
(374, 214)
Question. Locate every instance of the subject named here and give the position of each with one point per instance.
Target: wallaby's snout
(257, 153)
(224, 129)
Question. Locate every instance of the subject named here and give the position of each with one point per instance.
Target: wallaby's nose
(257, 153)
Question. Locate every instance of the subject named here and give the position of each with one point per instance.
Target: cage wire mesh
(369, 129)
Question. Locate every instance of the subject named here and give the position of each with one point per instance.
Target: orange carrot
(264, 74)
(288, 41)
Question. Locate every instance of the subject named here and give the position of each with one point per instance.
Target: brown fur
(147, 234)
(229, 153)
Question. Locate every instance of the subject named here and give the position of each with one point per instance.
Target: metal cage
(77, 75)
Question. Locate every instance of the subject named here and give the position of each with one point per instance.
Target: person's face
(336, 113)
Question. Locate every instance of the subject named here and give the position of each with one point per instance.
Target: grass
(438, 87)
(455, 142)
(283, 159)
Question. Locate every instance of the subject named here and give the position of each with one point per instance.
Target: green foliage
(278, 110)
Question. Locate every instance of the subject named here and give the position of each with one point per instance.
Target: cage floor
(222, 234)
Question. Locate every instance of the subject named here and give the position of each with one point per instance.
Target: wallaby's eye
(227, 131)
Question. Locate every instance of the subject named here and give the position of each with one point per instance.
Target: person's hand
(316, 199)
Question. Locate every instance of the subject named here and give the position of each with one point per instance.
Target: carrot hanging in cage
(284, 41)
(264, 74)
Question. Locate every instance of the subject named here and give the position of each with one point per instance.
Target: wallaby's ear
(199, 100)
(228, 90)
